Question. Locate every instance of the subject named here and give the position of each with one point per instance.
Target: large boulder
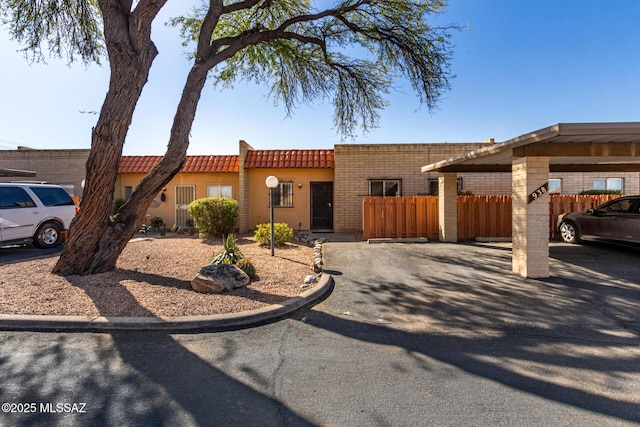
(219, 278)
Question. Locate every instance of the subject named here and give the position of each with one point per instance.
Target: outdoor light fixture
(299, 185)
(272, 183)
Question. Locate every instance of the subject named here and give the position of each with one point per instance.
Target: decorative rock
(310, 279)
(317, 257)
(219, 278)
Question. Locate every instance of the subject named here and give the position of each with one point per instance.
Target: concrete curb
(398, 240)
(244, 319)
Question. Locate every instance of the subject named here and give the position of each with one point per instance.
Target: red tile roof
(193, 164)
(289, 159)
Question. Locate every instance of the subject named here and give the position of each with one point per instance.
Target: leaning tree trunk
(94, 237)
(95, 245)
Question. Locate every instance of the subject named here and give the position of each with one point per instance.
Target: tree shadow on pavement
(132, 379)
(520, 362)
(573, 338)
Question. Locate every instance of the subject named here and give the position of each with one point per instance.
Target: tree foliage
(350, 53)
(68, 29)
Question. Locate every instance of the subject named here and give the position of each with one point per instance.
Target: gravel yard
(153, 278)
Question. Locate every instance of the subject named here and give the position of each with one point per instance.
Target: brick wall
(62, 167)
(243, 199)
(355, 165)
(574, 183)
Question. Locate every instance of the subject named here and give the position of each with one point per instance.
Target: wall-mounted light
(299, 185)
(163, 197)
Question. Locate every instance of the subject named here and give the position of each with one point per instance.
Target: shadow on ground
(573, 338)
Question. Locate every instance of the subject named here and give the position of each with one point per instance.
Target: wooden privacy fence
(484, 216)
(478, 216)
(400, 217)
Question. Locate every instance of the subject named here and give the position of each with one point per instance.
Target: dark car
(616, 220)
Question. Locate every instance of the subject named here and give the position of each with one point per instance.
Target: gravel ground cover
(153, 278)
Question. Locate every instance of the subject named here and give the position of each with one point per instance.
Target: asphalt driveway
(16, 253)
(433, 334)
(470, 287)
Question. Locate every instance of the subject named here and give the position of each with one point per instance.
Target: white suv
(34, 212)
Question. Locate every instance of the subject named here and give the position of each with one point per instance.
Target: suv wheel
(48, 235)
(569, 232)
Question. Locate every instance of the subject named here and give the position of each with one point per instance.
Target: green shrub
(214, 216)
(247, 266)
(596, 192)
(230, 252)
(156, 222)
(282, 234)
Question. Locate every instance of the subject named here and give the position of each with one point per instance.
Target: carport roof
(16, 172)
(571, 147)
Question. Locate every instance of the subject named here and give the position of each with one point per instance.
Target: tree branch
(336, 13)
(209, 24)
(140, 21)
(247, 4)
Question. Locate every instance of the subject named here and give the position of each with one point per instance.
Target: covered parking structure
(4, 172)
(564, 147)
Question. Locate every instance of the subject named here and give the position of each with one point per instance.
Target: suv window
(52, 196)
(15, 197)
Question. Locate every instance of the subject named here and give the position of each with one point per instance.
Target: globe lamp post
(272, 183)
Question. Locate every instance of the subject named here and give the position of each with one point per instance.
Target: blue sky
(520, 66)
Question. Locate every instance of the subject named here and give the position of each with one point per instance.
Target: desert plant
(214, 216)
(230, 252)
(156, 222)
(246, 265)
(282, 234)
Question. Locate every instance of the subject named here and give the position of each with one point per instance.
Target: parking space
(470, 287)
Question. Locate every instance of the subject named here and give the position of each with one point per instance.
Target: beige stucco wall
(355, 165)
(167, 209)
(297, 217)
(62, 167)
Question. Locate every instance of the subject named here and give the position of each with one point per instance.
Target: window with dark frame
(283, 195)
(385, 187)
(433, 187)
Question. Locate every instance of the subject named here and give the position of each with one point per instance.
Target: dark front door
(322, 205)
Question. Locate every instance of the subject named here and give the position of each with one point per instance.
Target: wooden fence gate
(478, 216)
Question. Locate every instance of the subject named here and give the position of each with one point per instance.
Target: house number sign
(539, 192)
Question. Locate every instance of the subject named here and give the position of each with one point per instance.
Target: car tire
(48, 235)
(569, 232)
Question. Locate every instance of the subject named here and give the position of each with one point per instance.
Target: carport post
(448, 207)
(530, 216)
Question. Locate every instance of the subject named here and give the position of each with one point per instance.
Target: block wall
(355, 165)
(62, 167)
